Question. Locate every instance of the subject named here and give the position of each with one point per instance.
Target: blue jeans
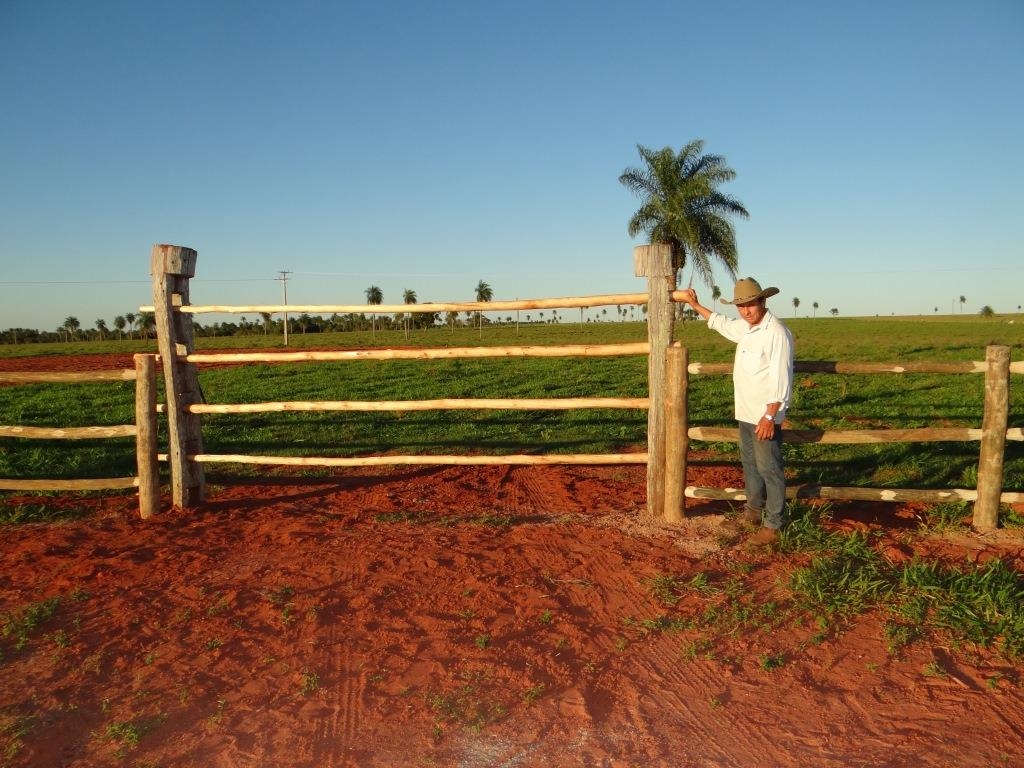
(763, 474)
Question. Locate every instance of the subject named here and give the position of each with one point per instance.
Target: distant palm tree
(146, 322)
(101, 327)
(408, 297)
(452, 317)
(129, 318)
(266, 321)
(796, 305)
(375, 296)
(963, 299)
(815, 305)
(833, 311)
(71, 325)
(483, 294)
(716, 294)
(119, 324)
(682, 207)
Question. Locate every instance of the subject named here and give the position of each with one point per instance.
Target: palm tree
(71, 325)
(119, 324)
(834, 311)
(129, 318)
(962, 300)
(815, 305)
(716, 294)
(408, 297)
(796, 305)
(452, 317)
(101, 327)
(146, 322)
(682, 207)
(266, 321)
(483, 294)
(374, 295)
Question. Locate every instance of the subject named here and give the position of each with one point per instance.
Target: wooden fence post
(171, 267)
(993, 437)
(655, 263)
(676, 442)
(145, 435)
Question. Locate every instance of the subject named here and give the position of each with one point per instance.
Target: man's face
(753, 311)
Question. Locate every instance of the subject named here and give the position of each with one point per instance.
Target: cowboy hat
(748, 289)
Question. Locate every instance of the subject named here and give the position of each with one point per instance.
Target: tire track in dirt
(535, 490)
(679, 689)
(338, 721)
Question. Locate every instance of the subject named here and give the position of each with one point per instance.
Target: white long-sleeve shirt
(763, 369)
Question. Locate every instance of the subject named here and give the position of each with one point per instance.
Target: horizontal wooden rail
(853, 436)
(853, 493)
(565, 350)
(568, 302)
(378, 461)
(828, 366)
(69, 433)
(450, 404)
(92, 484)
(68, 377)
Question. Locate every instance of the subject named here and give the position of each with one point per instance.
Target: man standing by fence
(762, 382)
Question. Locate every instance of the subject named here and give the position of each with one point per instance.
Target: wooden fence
(992, 436)
(173, 266)
(669, 373)
(666, 404)
(144, 430)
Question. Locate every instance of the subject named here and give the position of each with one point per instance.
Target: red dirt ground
(465, 617)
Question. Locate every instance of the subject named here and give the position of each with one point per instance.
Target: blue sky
(431, 145)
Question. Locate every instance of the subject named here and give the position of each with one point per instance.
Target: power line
(74, 282)
(130, 282)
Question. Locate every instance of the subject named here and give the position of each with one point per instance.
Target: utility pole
(284, 287)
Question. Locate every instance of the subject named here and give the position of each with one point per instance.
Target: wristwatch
(769, 417)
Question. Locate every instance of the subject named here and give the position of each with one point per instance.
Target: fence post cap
(652, 260)
(173, 260)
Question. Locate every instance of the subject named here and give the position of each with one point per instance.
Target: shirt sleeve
(780, 358)
(732, 329)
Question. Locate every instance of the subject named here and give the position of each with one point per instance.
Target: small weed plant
(23, 624)
(309, 683)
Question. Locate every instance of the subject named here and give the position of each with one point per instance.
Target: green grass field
(822, 401)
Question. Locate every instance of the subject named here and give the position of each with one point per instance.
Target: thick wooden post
(145, 435)
(655, 263)
(171, 267)
(676, 442)
(993, 437)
